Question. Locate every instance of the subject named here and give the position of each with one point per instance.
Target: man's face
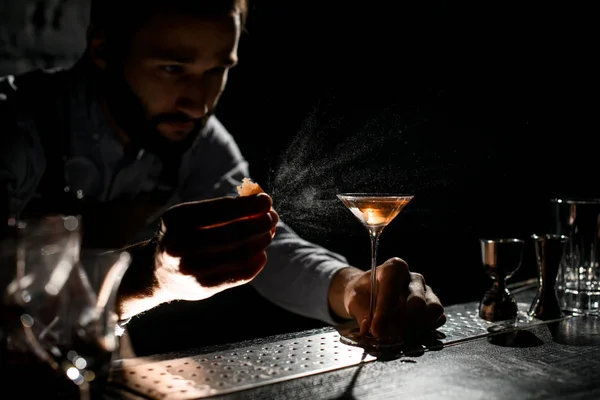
(175, 69)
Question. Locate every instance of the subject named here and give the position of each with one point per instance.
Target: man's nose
(193, 101)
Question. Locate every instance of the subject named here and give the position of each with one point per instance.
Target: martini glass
(375, 211)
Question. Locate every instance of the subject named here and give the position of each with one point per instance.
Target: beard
(131, 115)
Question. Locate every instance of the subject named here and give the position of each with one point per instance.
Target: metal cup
(549, 250)
(501, 259)
(578, 281)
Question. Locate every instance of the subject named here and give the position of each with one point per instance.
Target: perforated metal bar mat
(205, 375)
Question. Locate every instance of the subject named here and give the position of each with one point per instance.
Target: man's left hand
(405, 306)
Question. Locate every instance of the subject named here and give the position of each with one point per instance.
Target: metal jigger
(549, 250)
(501, 259)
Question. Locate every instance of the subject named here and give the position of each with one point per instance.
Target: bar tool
(501, 259)
(549, 251)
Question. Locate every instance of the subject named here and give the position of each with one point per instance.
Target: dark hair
(120, 17)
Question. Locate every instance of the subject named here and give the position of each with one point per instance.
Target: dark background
(482, 111)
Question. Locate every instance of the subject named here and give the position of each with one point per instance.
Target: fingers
(393, 278)
(440, 321)
(214, 244)
(424, 310)
(435, 310)
(416, 303)
(179, 242)
(229, 275)
(405, 306)
(213, 212)
(359, 303)
(274, 219)
(228, 254)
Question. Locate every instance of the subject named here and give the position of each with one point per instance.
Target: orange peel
(249, 188)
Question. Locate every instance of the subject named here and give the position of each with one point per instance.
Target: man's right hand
(205, 247)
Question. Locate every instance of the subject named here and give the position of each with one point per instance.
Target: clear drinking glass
(375, 211)
(59, 311)
(578, 281)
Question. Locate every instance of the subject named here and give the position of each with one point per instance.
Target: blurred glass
(578, 281)
(59, 310)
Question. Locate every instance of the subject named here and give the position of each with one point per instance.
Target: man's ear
(96, 39)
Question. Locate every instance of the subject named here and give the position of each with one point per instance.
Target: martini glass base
(368, 342)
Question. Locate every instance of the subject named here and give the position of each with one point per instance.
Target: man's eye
(172, 69)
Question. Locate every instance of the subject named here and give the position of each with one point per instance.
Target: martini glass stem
(374, 244)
